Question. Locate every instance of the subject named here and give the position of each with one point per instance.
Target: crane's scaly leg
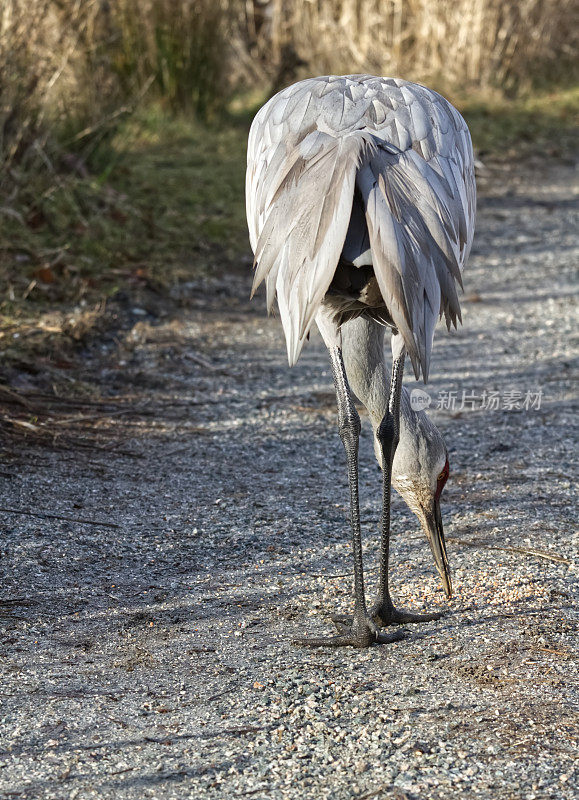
(383, 612)
(362, 631)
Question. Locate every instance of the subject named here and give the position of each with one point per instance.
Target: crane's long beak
(435, 535)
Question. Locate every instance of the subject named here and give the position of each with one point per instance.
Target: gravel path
(150, 657)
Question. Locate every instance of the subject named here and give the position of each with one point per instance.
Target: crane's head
(419, 473)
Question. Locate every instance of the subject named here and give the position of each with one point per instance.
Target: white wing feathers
(309, 201)
(415, 245)
(408, 154)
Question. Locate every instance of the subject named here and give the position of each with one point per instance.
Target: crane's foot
(384, 614)
(360, 633)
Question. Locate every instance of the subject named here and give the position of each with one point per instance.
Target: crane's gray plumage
(360, 203)
(377, 170)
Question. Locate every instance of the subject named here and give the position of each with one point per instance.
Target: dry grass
(69, 67)
(451, 43)
(179, 44)
(169, 209)
(55, 78)
(93, 202)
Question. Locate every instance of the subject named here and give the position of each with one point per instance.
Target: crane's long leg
(389, 435)
(362, 631)
(383, 612)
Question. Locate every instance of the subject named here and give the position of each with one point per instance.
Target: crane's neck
(366, 367)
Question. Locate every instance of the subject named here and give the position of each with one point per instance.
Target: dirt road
(192, 520)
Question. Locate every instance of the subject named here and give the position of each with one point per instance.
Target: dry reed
(507, 44)
(69, 66)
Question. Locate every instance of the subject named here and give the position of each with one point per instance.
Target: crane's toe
(384, 614)
(342, 623)
(352, 633)
(351, 639)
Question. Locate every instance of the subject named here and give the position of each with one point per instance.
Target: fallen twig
(12, 601)
(21, 423)
(241, 731)
(103, 415)
(526, 551)
(206, 363)
(329, 574)
(564, 653)
(15, 397)
(219, 694)
(72, 401)
(380, 790)
(46, 515)
(79, 444)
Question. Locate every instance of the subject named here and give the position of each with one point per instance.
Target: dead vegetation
(75, 68)
(456, 44)
(111, 188)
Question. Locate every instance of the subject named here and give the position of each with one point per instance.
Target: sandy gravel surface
(150, 657)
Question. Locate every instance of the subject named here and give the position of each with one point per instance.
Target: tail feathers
(413, 215)
(308, 211)
(415, 244)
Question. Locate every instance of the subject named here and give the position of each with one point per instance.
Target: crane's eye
(441, 480)
(444, 474)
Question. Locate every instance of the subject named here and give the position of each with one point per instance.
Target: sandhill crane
(360, 200)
